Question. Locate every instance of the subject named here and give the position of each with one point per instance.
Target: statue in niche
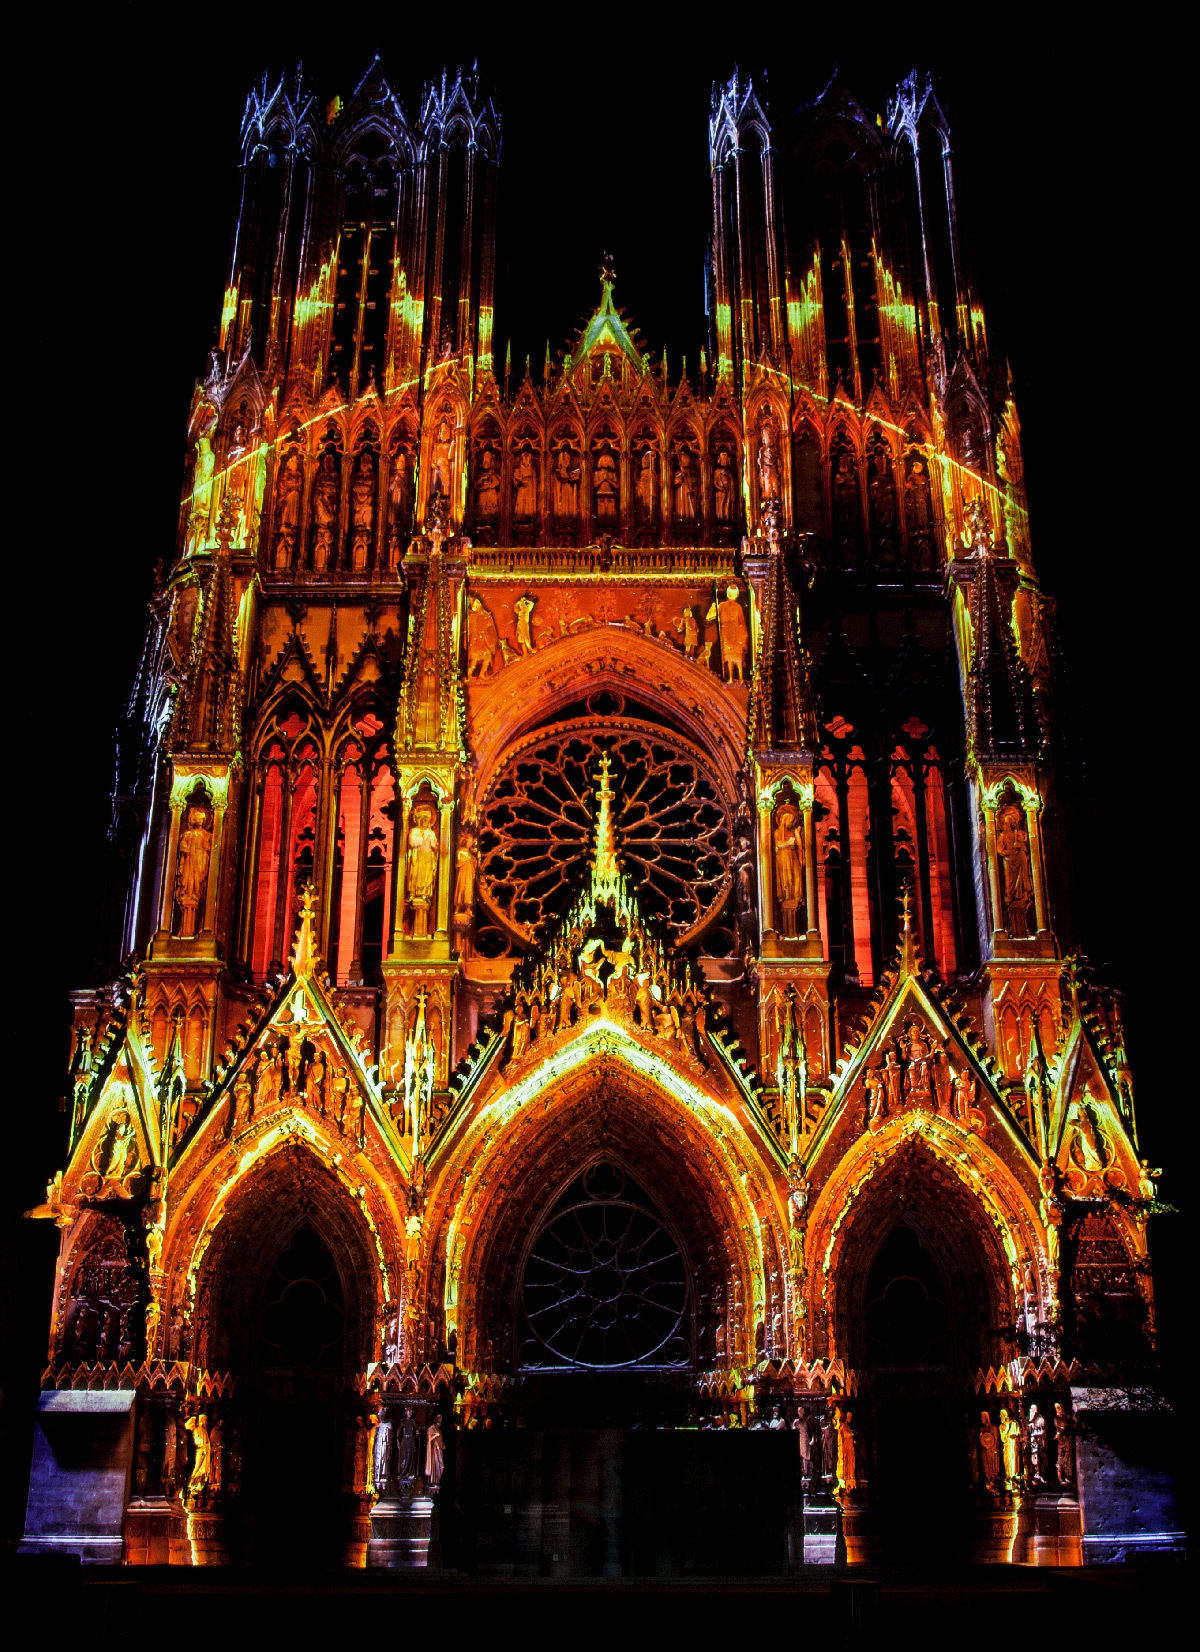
(1012, 848)
(1010, 1446)
(685, 482)
(465, 874)
(768, 461)
(341, 1095)
(724, 488)
(846, 521)
(383, 1466)
(943, 1080)
(421, 868)
(407, 1452)
(1038, 1460)
(919, 511)
(964, 1095)
(606, 486)
(876, 1089)
(441, 457)
(893, 1078)
(882, 498)
(483, 641)
(645, 490)
(989, 1452)
(435, 1454)
(116, 1154)
(326, 495)
(523, 609)
(288, 490)
(565, 484)
(789, 865)
(487, 487)
(400, 499)
(362, 511)
(735, 639)
(525, 487)
(829, 1444)
(191, 877)
(197, 1427)
(295, 1060)
(241, 1102)
(847, 1454)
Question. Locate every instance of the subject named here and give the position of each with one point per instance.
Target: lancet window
(361, 887)
(366, 257)
(884, 828)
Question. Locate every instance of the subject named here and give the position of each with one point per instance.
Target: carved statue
(724, 488)
(314, 1083)
(191, 878)
(735, 639)
(288, 490)
(943, 1079)
(893, 1078)
(435, 1454)
(847, 1465)
(606, 487)
(1012, 847)
(688, 627)
(197, 1427)
(829, 1448)
(565, 485)
(525, 487)
(483, 642)
(487, 487)
(341, 1093)
(326, 495)
(383, 1466)
(362, 511)
(686, 486)
(465, 873)
(768, 461)
(523, 609)
(116, 1153)
(421, 868)
(964, 1095)
(441, 458)
(789, 865)
(876, 1089)
(400, 499)
(1064, 1441)
(268, 1079)
(804, 1439)
(1010, 1445)
(407, 1452)
(1038, 1461)
(646, 487)
(916, 1076)
(294, 1060)
(989, 1452)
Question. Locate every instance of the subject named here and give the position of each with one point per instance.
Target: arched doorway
(287, 1305)
(922, 1303)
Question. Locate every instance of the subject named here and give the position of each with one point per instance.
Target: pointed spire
(606, 868)
(909, 957)
(306, 959)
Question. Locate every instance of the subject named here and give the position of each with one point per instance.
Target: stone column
(989, 836)
(169, 870)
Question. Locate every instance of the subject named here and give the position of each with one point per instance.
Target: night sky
(123, 149)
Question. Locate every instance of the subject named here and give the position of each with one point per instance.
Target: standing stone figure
(724, 488)
(191, 879)
(421, 869)
(989, 1451)
(1012, 846)
(789, 865)
(326, 494)
(407, 1453)
(1010, 1445)
(1064, 1439)
(435, 1454)
(1038, 1463)
(383, 1465)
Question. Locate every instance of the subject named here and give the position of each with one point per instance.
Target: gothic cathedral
(594, 1074)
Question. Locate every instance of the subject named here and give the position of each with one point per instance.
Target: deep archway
(921, 1301)
(288, 1302)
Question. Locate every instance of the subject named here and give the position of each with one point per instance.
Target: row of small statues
(1006, 1458)
(285, 1068)
(722, 625)
(566, 476)
(395, 1454)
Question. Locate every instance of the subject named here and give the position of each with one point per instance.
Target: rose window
(537, 827)
(605, 1286)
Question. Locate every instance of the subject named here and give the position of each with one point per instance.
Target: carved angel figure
(191, 878)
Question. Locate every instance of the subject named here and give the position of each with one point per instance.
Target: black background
(120, 157)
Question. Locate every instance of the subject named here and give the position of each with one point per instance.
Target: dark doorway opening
(920, 1480)
(294, 1444)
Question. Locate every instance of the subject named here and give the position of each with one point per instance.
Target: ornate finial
(908, 941)
(305, 957)
(608, 274)
(606, 871)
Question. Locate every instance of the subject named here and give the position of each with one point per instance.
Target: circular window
(537, 827)
(605, 1286)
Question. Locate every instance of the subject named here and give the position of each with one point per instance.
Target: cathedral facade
(596, 1074)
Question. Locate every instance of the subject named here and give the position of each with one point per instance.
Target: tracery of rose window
(537, 826)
